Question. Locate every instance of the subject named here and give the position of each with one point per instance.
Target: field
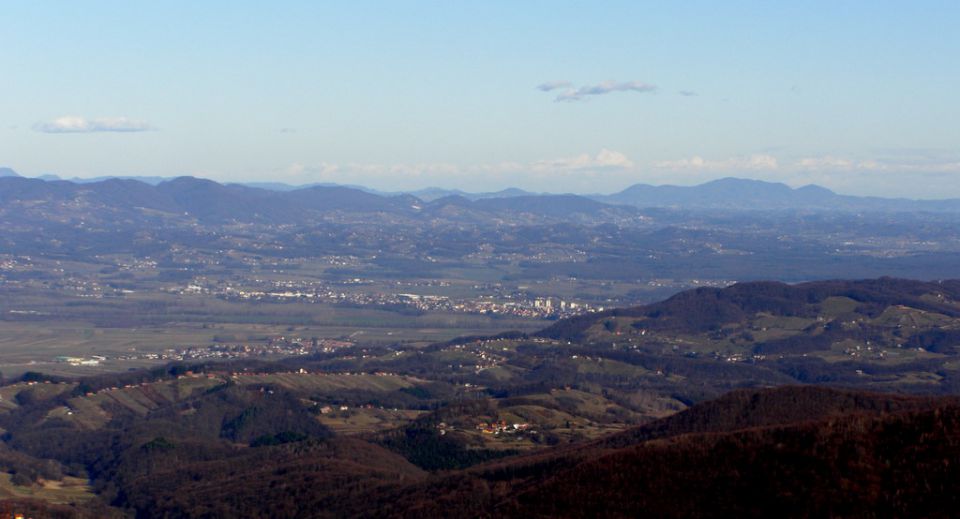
(38, 327)
(69, 490)
(322, 382)
(360, 421)
(94, 410)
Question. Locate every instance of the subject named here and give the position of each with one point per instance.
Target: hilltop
(801, 317)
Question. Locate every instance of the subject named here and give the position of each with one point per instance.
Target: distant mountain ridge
(435, 193)
(212, 202)
(733, 194)
(745, 194)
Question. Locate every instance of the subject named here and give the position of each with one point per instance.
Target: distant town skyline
(858, 97)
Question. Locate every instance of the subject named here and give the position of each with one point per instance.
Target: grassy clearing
(69, 490)
(910, 318)
(835, 306)
(322, 382)
(359, 421)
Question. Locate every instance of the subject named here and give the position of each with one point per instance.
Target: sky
(559, 96)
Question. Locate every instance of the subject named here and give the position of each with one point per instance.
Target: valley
(463, 410)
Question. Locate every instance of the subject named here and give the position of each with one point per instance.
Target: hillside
(789, 318)
(840, 453)
(793, 451)
(608, 414)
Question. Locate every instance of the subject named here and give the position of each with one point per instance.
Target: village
(502, 427)
(276, 347)
(312, 292)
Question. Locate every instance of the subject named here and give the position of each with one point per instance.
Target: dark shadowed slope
(788, 452)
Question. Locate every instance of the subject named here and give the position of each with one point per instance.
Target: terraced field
(94, 410)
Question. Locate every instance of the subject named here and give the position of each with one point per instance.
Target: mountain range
(743, 194)
(210, 202)
(723, 194)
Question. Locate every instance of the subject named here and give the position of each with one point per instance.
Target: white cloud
(318, 171)
(611, 158)
(916, 176)
(826, 163)
(756, 162)
(605, 159)
(835, 164)
(74, 124)
(584, 168)
(841, 164)
(570, 93)
(611, 171)
(553, 85)
(881, 176)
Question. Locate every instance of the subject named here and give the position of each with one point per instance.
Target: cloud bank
(579, 173)
(74, 124)
(605, 159)
(611, 171)
(569, 93)
(757, 162)
(553, 85)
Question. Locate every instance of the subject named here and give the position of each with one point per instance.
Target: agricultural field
(365, 421)
(327, 382)
(36, 329)
(94, 410)
(66, 491)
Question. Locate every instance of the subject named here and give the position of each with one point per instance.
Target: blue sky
(858, 96)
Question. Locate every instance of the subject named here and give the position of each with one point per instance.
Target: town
(275, 347)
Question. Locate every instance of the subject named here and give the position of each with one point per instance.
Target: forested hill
(706, 310)
(787, 452)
